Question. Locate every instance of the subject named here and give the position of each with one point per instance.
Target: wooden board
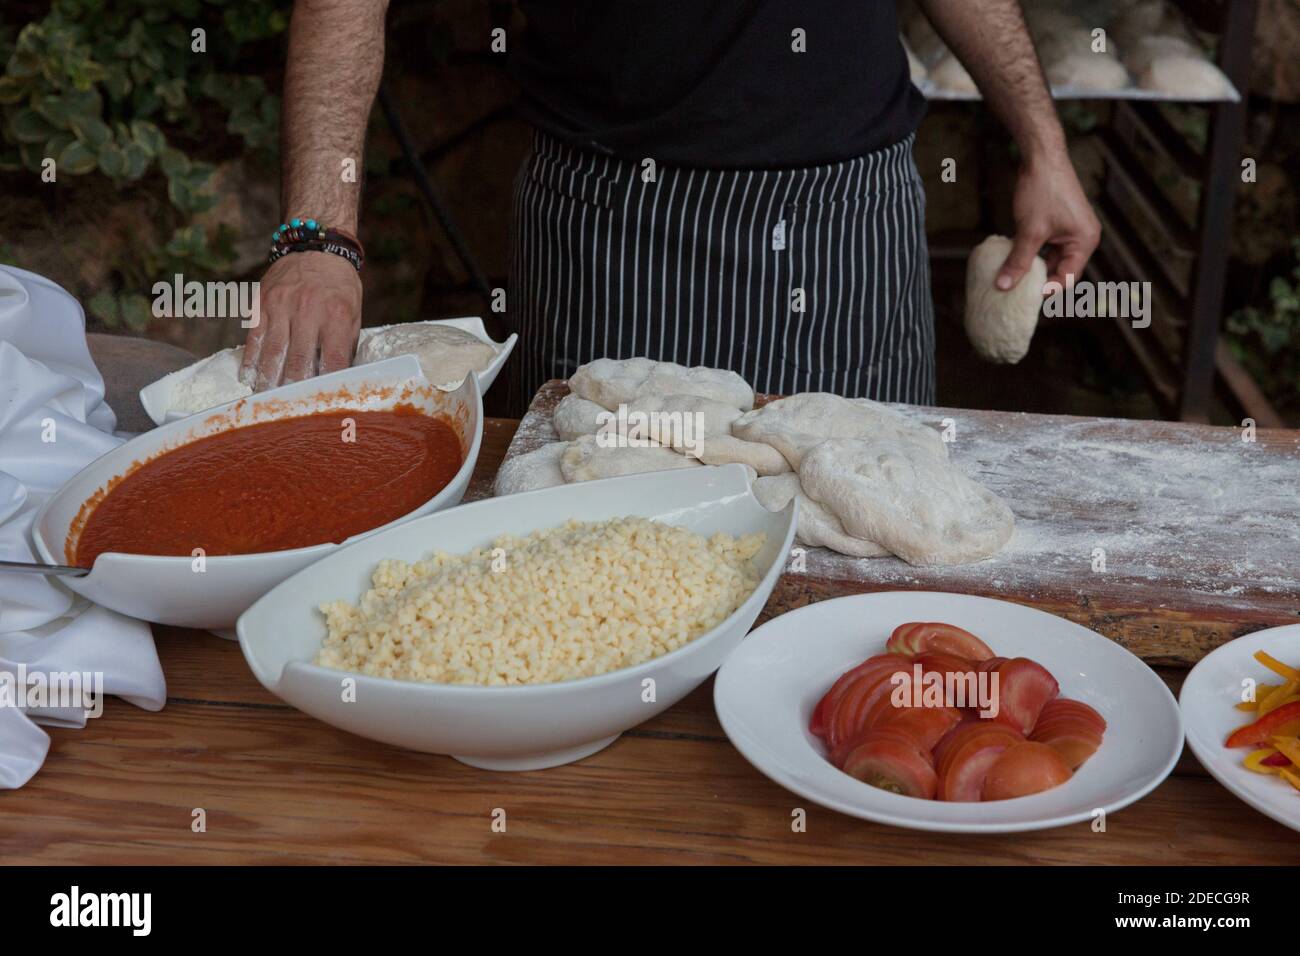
(1199, 530)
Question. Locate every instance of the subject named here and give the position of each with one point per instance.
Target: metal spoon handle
(56, 569)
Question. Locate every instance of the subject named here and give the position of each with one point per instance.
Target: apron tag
(778, 237)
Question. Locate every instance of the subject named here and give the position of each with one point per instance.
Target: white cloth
(49, 384)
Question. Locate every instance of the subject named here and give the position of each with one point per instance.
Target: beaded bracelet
(308, 235)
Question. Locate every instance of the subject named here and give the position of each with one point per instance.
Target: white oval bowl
(766, 692)
(525, 727)
(1207, 700)
(156, 397)
(167, 590)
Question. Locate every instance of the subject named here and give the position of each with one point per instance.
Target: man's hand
(990, 39)
(310, 306)
(1050, 209)
(311, 301)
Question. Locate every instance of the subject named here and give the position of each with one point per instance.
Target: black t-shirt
(716, 84)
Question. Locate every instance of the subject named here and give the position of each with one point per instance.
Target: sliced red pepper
(1283, 722)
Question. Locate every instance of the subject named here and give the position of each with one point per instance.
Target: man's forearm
(992, 42)
(336, 58)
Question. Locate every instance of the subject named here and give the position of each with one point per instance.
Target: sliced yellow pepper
(1262, 693)
(1291, 777)
(1277, 667)
(1255, 761)
(1289, 748)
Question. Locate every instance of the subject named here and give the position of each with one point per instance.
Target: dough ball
(1045, 22)
(536, 469)
(575, 417)
(214, 382)
(1188, 77)
(447, 354)
(1087, 71)
(586, 460)
(613, 382)
(817, 527)
(1139, 55)
(1142, 18)
(1058, 45)
(917, 505)
(949, 75)
(1001, 324)
(795, 425)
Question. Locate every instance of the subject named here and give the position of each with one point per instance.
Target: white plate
(766, 691)
(166, 590)
(156, 397)
(1207, 699)
(532, 726)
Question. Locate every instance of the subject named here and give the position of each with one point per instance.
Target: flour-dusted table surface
(1170, 539)
(278, 787)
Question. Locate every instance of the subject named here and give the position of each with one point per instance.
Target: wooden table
(277, 786)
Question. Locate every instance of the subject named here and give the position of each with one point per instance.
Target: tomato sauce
(276, 485)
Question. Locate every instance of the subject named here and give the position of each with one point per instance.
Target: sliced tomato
(900, 685)
(892, 761)
(926, 725)
(1024, 688)
(1024, 768)
(1074, 737)
(1065, 706)
(968, 757)
(991, 663)
(854, 711)
(968, 718)
(921, 636)
(944, 663)
(1283, 722)
(821, 713)
(960, 676)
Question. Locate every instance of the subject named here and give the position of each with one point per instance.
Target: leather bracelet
(331, 246)
(308, 235)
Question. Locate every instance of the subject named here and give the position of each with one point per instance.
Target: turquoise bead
(295, 223)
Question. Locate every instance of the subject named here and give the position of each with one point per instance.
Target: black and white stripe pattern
(707, 267)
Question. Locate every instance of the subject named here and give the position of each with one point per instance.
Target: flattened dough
(586, 460)
(447, 354)
(796, 424)
(613, 382)
(918, 506)
(1001, 324)
(537, 469)
(575, 416)
(818, 528)
(701, 427)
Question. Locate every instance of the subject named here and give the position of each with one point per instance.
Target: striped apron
(813, 279)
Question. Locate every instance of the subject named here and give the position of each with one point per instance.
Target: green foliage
(1267, 340)
(122, 89)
